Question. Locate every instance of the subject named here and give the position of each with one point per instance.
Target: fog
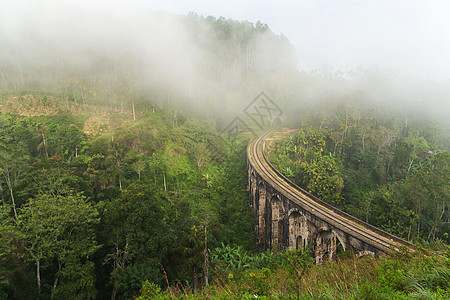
(47, 44)
(409, 36)
(41, 34)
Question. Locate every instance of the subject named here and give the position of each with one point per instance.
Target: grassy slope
(421, 275)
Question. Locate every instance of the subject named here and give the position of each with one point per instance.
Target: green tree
(418, 145)
(136, 228)
(437, 184)
(13, 164)
(322, 179)
(65, 140)
(61, 228)
(304, 158)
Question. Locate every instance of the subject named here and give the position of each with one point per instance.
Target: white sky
(408, 36)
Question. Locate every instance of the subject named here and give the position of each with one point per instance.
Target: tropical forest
(119, 178)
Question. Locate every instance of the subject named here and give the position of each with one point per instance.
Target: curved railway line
(377, 238)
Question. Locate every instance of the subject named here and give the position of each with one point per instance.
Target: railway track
(360, 230)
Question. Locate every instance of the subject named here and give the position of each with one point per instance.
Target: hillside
(144, 185)
(116, 169)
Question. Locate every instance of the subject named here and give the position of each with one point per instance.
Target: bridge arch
(299, 229)
(340, 243)
(278, 216)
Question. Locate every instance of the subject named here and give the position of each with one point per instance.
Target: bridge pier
(277, 222)
(261, 209)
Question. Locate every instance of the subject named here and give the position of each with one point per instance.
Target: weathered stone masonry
(281, 223)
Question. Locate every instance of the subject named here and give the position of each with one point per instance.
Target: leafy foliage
(420, 275)
(139, 192)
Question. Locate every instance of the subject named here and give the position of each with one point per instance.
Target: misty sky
(407, 36)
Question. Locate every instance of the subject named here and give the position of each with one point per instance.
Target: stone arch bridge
(288, 217)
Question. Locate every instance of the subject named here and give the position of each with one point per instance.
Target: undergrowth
(424, 274)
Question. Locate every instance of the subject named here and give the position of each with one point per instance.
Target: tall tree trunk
(165, 188)
(38, 276)
(3, 198)
(55, 283)
(8, 182)
(119, 262)
(44, 142)
(4, 79)
(363, 144)
(205, 254)
(438, 216)
(194, 279)
(410, 164)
